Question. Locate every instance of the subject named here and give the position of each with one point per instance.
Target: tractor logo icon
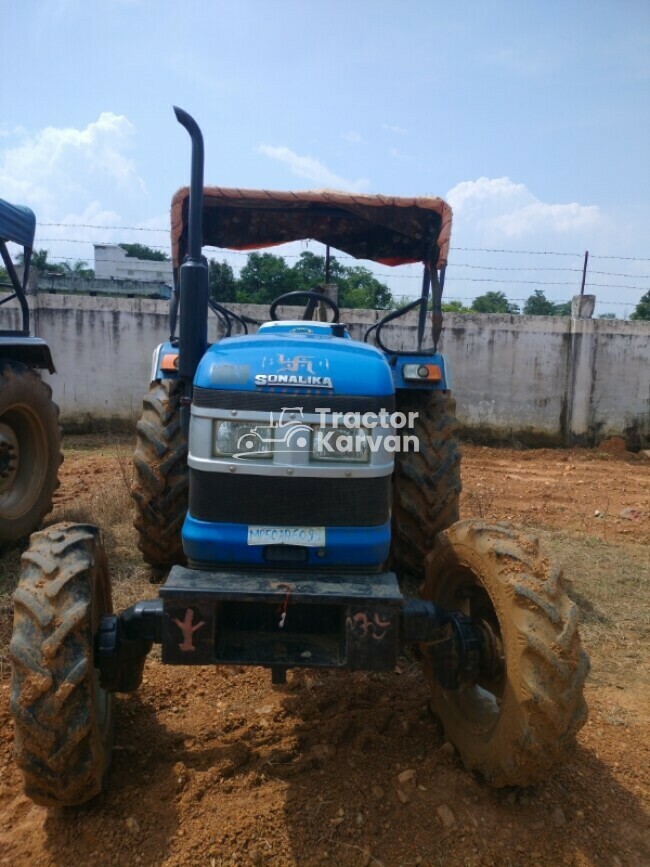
(299, 363)
(289, 434)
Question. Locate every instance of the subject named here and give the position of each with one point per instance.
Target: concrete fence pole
(581, 371)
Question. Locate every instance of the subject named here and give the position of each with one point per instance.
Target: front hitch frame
(276, 620)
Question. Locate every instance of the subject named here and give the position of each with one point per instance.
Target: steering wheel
(312, 296)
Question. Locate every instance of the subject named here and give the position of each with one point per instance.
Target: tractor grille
(299, 502)
(258, 401)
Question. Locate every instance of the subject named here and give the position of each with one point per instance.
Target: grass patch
(611, 583)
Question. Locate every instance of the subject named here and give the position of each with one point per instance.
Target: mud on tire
(516, 725)
(63, 720)
(30, 451)
(160, 487)
(426, 484)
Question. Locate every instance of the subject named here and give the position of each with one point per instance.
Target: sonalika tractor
(30, 437)
(266, 479)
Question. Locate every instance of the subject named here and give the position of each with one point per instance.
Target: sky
(532, 119)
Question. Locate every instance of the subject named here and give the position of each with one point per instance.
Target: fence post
(580, 374)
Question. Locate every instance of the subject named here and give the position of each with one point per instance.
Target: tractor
(287, 554)
(30, 437)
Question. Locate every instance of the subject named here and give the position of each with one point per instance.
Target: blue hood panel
(295, 363)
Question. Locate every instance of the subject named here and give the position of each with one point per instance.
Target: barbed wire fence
(456, 270)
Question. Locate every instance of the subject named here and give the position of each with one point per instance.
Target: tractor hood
(298, 364)
(385, 229)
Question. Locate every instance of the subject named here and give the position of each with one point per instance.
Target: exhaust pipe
(193, 329)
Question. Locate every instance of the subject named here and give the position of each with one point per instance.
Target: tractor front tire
(520, 720)
(160, 487)
(63, 719)
(426, 483)
(30, 451)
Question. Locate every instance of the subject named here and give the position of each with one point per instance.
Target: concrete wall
(536, 379)
(71, 284)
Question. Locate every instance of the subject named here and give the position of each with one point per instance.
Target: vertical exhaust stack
(193, 329)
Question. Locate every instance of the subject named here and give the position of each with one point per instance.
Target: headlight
(340, 444)
(243, 439)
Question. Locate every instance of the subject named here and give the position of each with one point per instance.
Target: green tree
(40, 261)
(494, 302)
(263, 278)
(607, 315)
(360, 288)
(79, 269)
(562, 308)
(642, 310)
(141, 251)
(222, 281)
(309, 270)
(538, 304)
(455, 307)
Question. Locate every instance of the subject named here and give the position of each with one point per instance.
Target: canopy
(385, 229)
(17, 224)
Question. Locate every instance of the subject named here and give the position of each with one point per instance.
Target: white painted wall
(111, 262)
(527, 377)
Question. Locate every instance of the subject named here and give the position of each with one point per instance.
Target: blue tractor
(30, 437)
(290, 484)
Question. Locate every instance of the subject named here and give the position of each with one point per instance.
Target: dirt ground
(217, 767)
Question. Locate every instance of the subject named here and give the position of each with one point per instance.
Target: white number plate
(308, 537)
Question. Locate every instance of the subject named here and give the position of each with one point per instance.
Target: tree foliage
(494, 302)
(40, 261)
(222, 281)
(141, 251)
(455, 307)
(538, 304)
(642, 310)
(79, 269)
(265, 276)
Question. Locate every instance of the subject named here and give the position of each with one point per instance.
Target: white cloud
(9, 132)
(351, 136)
(398, 130)
(57, 164)
(503, 208)
(312, 169)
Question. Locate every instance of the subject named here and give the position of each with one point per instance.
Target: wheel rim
(478, 705)
(9, 457)
(23, 447)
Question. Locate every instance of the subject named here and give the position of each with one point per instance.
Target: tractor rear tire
(520, 721)
(160, 487)
(63, 719)
(30, 451)
(426, 483)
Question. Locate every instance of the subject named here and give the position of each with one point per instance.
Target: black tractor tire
(161, 478)
(63, 719)
(30, 451)
(520, 721)
(426, 483)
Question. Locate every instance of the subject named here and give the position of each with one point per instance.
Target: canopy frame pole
(19, 288)
(424, 303)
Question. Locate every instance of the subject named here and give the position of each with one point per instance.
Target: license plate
(308, 537)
